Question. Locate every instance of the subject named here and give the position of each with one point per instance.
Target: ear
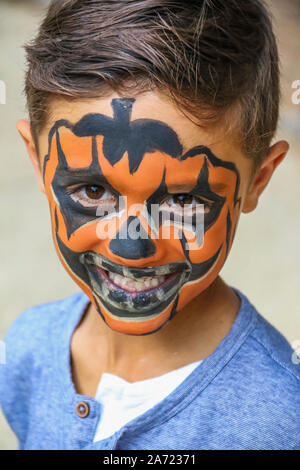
(263, 175)
(23, 127)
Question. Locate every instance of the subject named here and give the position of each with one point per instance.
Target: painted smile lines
(134, 291)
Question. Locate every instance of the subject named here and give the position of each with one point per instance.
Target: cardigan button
(82, 409)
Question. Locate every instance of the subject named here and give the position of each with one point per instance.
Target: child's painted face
(104, 177)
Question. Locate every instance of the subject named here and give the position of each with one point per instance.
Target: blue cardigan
(245, 395)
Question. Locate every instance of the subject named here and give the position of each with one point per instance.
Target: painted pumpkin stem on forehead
(120, 135)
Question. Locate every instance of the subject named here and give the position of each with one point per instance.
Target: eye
(187, 203)
(93, 196)
(94, 192)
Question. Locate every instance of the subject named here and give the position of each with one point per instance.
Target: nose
(132, 241)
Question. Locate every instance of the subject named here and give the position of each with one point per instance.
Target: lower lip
(132, 290)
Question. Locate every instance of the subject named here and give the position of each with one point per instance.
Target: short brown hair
(210, 55)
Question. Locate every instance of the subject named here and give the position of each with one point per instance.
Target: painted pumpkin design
(104, 175)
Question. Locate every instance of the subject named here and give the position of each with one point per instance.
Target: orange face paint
(103, 176)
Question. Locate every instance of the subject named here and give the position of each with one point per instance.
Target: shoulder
(266, 346)
(277, 350)
(267, 376)
(36, 324)
(29, 345)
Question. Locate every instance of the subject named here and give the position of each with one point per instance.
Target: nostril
(132, 241)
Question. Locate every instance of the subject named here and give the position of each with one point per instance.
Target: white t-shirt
(123, 401)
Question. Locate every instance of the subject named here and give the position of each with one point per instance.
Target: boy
(136, 106)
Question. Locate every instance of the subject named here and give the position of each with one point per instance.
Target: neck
(201, 325)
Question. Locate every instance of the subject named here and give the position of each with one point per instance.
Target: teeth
(139, 284)
(160, 294)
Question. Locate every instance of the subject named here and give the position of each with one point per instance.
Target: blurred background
(264, 262)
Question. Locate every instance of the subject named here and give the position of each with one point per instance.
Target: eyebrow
(188, 186)
(216, 187)
(72, 177)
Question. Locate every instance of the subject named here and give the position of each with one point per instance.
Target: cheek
(219, 236)
(213, 238)
(81, 239)
(72, 266)
(193, 288)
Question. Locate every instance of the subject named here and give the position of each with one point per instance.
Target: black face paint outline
(121, 135)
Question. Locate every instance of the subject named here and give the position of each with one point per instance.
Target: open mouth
(142, 284)
(130, 291)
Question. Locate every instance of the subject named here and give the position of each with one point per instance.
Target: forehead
(153, 166)
(151, 105)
